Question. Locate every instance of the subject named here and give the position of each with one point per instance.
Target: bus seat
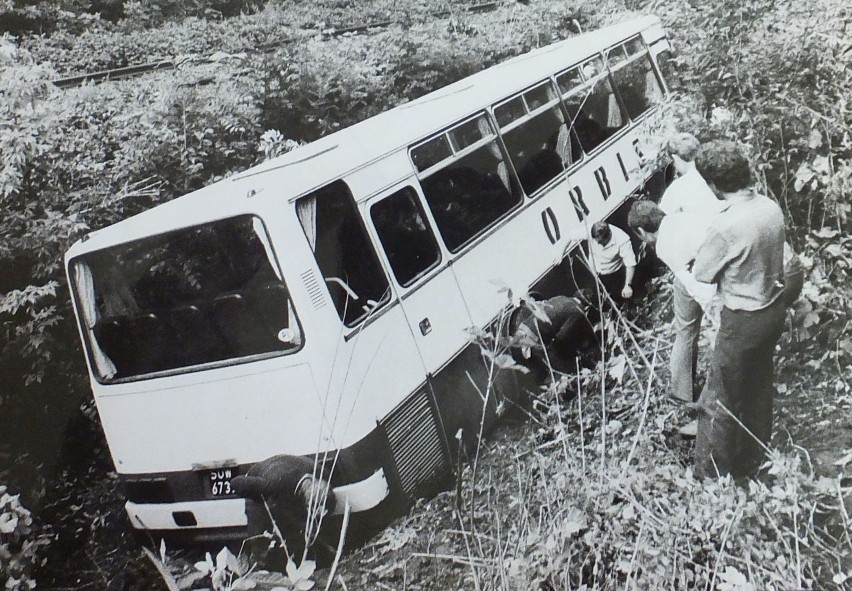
(133, 343)
(239, 325)
(110, 335)
(270, 303)
(198, 340)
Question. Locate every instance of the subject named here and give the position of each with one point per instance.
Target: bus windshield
(208, 293)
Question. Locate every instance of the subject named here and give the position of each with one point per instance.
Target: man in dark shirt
(554, 333)
(743, 254)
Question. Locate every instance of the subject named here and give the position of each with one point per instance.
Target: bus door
(364, 356)
(433, 306)
(476, 201)
(430, 297)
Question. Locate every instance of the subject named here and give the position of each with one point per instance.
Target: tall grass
(599, 494)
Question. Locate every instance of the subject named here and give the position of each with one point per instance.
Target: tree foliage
(20, 544)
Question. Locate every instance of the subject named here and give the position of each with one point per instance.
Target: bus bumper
(231, 513)
(187, 515)
(362, 495)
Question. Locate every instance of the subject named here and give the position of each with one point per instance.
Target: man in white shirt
(689, 192)
(676, 238)
(612, 259)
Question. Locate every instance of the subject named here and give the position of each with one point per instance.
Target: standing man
(612, 259)
(676, 238)
(743, 255)
(689, 191)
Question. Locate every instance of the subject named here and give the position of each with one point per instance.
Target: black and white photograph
(425, 295)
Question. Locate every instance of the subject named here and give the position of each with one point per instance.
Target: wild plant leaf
(734, 580)
(206, 565)
(617, 367)
(538, 310)
(225, 559)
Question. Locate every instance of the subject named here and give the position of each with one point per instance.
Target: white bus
(318, 305)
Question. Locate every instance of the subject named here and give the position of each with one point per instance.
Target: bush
(20, 543)
(776, 76)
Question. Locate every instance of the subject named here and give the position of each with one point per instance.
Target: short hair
(724, 164)
(646, 215)
(601, 231)
(685, 145)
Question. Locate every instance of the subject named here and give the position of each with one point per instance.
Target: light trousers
(684, 357)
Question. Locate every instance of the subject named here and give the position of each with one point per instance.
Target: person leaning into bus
(612, 259)
(554, 334)
(743, 255)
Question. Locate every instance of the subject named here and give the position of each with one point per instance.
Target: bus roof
(333, 156)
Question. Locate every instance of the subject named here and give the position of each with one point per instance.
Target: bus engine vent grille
(314, 289)
(415, 442)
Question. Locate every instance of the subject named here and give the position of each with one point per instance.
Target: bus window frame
(589, 82)
(425, 212)
(387, 296)
(639, 55)
(77, 303)
(656, 48)
(441, 164)
(557, 102)
(494, 136)
(587, 85)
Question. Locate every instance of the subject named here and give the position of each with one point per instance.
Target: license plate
(219, 482)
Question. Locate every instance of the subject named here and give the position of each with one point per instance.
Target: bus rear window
(204, 294)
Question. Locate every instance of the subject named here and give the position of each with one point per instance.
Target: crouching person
(554, 334)
(284, 497)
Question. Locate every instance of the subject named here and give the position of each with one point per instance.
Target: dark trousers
(614, 283)
(740, 380)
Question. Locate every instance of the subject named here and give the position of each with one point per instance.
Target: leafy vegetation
(772, 74)
(20, 543)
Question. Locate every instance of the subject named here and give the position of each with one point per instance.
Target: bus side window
(405, 235)
(636, 82)
(471, 189)
(539, 142)
(667, 65)
(343, 251)
(595, 110)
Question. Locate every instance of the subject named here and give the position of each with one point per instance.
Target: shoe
(689, 430)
